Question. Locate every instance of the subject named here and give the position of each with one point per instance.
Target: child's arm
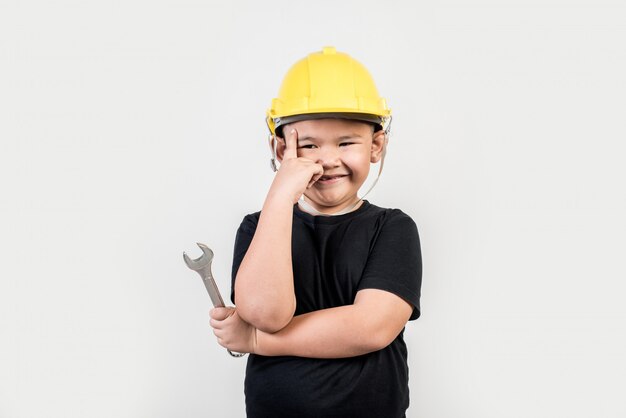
(370, 324)
(264, 289)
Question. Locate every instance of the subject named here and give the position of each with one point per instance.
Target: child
(324, 285)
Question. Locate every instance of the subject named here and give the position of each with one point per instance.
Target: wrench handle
(214, 291)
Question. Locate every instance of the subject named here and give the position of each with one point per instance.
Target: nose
(328, 157)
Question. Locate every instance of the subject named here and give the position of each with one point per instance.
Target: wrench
(202, 265)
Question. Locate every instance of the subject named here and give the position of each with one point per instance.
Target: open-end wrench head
(201, 262)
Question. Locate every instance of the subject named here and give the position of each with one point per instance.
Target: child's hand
(231, 331)
(295, 174)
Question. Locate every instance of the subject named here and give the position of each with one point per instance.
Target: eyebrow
(341, 138)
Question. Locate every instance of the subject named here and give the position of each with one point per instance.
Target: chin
(330, 203)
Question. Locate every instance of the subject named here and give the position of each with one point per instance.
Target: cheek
(358, 162)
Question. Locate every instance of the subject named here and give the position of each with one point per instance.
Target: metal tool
(202, 265)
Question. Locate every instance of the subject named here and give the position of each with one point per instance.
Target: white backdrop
(129, 130)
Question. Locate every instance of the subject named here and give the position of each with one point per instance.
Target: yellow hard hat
(327, 84)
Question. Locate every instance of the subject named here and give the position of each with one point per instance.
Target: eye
(343, 144)
(308, 146)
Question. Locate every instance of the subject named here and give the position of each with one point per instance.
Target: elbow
(263, 318)
(271, 325)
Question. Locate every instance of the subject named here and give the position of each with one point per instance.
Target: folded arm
(370, 324)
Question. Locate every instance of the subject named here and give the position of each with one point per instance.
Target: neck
(307, 207)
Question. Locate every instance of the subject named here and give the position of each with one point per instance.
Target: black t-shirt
(333, 258)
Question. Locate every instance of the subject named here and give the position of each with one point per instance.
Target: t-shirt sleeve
(244, 236)
(395, 261)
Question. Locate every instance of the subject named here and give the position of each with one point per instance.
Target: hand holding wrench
(202, 265)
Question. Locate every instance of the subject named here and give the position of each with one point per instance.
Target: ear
(281, 145)
(379, 142)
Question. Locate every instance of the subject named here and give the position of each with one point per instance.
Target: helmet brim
(376, 121)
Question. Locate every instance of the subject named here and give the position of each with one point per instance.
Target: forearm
(264, 289)
(344, 331)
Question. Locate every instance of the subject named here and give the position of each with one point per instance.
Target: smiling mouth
(324, 178)
(331, 179)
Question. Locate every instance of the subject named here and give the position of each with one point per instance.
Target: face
(345, 149)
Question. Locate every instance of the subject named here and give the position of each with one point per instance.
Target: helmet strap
(273, 160)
